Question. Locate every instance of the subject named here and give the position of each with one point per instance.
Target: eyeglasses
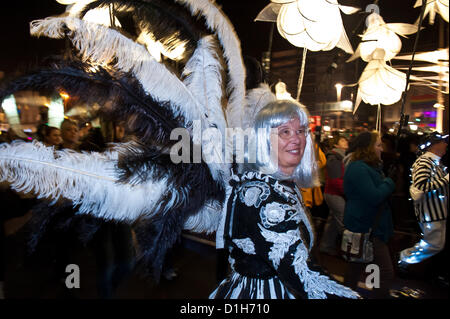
(287, 133)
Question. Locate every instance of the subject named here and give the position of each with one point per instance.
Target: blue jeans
(335, 224)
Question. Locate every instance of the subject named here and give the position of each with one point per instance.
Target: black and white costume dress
(269, 236)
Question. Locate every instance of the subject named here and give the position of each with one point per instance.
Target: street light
(339, 87)
(439, 115)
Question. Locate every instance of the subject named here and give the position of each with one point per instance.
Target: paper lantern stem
(302, 73)
(378, 125)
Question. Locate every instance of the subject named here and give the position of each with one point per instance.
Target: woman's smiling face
(291, 138)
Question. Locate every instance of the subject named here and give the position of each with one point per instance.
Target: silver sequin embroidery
(246, 245)
(254, 193)
(273, 214)
(281, 243)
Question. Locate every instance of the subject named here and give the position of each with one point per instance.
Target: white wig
(269, 117)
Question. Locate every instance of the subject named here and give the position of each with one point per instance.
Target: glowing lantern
(439, 61)
(380, 84)
(281, 92)
(312, 24)
(156, 48)
(433, 7)
(439, 82)
(381, 35)
(436, 56)
(10, 108)
(56, 113)
(98, 15)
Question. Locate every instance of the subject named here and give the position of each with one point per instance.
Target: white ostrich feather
(202, 76)
(102, 45)
(206, 220)
(255, 100)
(220, 24)
(88, 179)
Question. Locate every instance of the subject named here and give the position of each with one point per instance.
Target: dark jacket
(335, 172)
(366, 188)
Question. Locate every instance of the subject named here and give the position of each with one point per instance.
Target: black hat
(431, 139)
(361, 141)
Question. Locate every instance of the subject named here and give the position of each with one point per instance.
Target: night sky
(20, 51)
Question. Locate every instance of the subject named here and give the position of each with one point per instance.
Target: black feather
(121, 95)
(60, 217)
(157, 235)
(163, 19)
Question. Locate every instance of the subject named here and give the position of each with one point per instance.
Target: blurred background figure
(69, 134)
(334, 196)
(10, 136)
(404, 217)
(113, 242)
(367, 191)
(52, 136)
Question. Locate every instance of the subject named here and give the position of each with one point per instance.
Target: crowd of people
(364, 185)
(112, 242)
(370, 188)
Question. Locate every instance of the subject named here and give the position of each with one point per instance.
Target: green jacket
(365, 189)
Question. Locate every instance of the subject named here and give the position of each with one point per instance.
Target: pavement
(195, 261)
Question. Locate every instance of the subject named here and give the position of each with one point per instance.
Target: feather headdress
(156, 66)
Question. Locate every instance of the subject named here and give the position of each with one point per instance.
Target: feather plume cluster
(118, 52)
(156, 66)
(88, 180)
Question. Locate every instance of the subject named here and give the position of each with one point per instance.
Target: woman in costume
(267, 229)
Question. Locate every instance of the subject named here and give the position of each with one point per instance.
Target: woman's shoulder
(255, 176)
(249, 176)
(356, 168)
(357, 165)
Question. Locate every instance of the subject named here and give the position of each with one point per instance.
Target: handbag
(358, 247)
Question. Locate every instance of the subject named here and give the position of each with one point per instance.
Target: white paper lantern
(56, 113)
(437, 56)
(312, 24)
(10, 108)
(97, 15)
(439, 64)
(379, 83)
(381, 35)
(433, 7)
(281, 91)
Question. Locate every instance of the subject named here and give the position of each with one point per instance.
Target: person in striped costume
(429, 190)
